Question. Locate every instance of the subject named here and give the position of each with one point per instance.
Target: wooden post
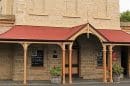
(110, 64)
(63, 63)
(25, 47)
(104, 64)
(70, 63)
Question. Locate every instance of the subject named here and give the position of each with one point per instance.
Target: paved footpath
(115, 84)
(126, 83)
(84, 84)
(121, 84)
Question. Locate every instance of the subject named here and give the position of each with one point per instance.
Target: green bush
(117, 69)
(55, 71)
(125, 16)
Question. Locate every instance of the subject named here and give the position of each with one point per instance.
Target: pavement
(101, 84)
(41, 83)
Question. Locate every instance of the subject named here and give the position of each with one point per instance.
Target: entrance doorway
(124, 60)
(75, 61)
(84, 57)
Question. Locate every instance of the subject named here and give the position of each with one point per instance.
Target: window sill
(103, 18)
(101, 67)
(71, 16)
(37, 68)
(38, 14)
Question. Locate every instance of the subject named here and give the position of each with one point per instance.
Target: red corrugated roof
(115, 35)
(24, 32)
(46, 33)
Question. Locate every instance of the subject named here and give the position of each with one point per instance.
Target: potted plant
(117, 71)
(55, 75)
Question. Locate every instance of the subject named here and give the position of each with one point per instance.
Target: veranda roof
(40, 33)
(46, 33)
(117, 36)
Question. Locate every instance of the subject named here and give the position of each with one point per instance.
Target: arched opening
(41, 58)
(12, 61)
(10, 55)
(87, 59)
(120, 55)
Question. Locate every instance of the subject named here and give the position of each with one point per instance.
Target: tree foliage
(125, 16)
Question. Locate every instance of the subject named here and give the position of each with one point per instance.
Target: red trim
(81, 27)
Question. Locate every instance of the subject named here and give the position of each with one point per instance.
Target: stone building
(82, 36)
(125, 26)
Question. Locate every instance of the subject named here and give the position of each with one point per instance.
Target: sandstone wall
(65, 13)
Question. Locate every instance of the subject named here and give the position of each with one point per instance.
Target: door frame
(124, 60)
(78, 60)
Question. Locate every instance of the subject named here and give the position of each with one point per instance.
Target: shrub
(55, 71)
(117, 69)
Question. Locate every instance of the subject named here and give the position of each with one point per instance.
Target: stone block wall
(88, 66)
(66, 13)
(89, 50)
(11, 57)
(36, 73)
(6, 61)
(125, 26)
(18, 62)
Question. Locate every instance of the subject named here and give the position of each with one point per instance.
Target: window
(103, 11)
(36, 7)
(0, 6)
(71, 7)
(100, 59)
(6, 7)
(37, 58)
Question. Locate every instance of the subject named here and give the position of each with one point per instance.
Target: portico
(92, 46)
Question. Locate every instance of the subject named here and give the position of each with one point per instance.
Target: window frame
(100, 59)
(34, 56)
(67, 11)
(107, 59)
